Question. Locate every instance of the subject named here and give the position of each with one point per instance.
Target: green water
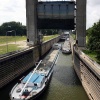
(64, 84)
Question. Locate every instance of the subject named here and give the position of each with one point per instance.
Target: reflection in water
(64, 84)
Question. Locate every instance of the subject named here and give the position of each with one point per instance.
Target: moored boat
(56, 46)
(33, 84)
(66, 47)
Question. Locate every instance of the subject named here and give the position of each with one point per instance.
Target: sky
(14, 10)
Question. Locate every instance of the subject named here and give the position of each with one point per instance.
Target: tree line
(93, 34)
(9, 28)
(21, 29)
(49, 31)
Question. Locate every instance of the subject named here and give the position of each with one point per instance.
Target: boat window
(35, 84)
(45, 76)
(26, 92)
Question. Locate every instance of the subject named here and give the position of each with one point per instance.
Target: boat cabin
(36, 80)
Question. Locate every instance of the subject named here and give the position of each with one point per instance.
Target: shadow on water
(64, 84)
(65, 68)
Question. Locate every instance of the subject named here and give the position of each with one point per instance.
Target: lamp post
(7, 35)
(6, 41)
(15, 34)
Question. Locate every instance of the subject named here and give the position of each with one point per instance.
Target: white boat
(65, 36)
(56, 46)
(36, 81)
(66, 47)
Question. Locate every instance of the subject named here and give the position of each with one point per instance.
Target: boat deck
(66, 45)
(36, 78)
(48, 60)
(34, 82)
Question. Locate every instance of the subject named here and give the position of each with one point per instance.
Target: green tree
(94, 37)
(17, 26)
(49, 31)
(88, 31)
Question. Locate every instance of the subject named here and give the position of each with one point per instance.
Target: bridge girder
(55, 21)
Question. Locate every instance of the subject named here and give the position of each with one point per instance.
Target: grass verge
(4, 39)
(92, 55)
(74, 36)
(46, 38)
(11, 47)
(14, 47)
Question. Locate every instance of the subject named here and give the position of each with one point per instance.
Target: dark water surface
(64, 84)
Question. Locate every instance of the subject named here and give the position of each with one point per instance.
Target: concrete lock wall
(48, 15)
(88, 73)
(81, 22)
(15, 64)
(31, 16)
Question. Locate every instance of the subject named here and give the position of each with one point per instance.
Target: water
(64, 84)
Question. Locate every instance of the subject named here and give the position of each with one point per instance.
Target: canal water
(64, 84)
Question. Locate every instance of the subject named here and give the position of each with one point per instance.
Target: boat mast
(30, 77)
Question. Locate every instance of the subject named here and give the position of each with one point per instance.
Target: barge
(33, 84)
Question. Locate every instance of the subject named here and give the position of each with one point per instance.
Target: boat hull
(36, 81)
(38, 94)
(66, 52)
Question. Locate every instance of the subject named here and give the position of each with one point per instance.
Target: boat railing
(30, 78)
(13, 89)
(56, 58)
